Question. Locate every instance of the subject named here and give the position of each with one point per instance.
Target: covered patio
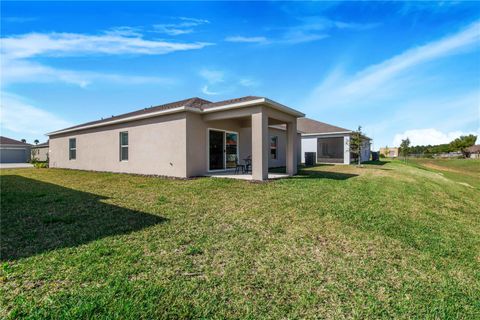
(243, 136)
(245, 176)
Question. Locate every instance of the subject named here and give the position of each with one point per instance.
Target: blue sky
(398, 69)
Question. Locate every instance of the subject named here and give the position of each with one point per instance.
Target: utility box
(310, 158)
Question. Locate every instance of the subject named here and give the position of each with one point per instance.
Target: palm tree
(24, 141)
(36, 141)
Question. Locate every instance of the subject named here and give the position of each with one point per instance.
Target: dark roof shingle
(306, 125)
(230, 101)
(474, 148)
(192, 102)
(41, 145)
(5, 140)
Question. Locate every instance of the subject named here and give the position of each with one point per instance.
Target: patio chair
(248, 164)
(239, 167)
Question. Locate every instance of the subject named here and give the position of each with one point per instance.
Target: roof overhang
(268, 102)
(326, 133)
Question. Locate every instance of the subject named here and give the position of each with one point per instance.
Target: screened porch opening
(330, 150)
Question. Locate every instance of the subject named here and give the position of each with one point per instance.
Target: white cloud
(207, 91)
(315, 23)
(25, 71)
(125, 31)
(74, 44)
(212, 76)
(19, 19)
(185, 26)
(19, 116)
(248, 82)
(430, 136)
(18, 53)
(379, 81)
(224, 82)
(246, 39)
(311, 29)
(299, 36)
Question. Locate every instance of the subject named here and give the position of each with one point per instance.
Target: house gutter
(325, 133)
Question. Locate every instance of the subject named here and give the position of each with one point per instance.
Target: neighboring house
(390, 152)
(40, 151)
(14, 151)
(474, 151)
(329, 143)
(187, 138)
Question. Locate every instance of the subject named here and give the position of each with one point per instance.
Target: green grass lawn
(384, 241)
(465, 171)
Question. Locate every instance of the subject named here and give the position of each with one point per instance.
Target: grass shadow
(305, 172)
(376, 163)
(312, 174)
(38, 217)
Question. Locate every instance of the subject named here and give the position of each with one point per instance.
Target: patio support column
(346, 149)
(292, 148)
(259, 146)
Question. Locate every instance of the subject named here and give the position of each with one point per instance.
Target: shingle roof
(474, 148)
(41, 145)
(306, 125)
(198, 103)
(5, 140)
(192, 102)
(230, 101)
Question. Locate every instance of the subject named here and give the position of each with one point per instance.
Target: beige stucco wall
(40, 153)
(156, 146)
(169, 145)
(197, 139)
(281, 148)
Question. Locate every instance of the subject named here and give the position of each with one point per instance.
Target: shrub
(40, 165)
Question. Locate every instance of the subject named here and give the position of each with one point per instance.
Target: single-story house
(188, 138)
(14, 151)
(390, 152)
(329, 143)
(474, 151)
(40, 151)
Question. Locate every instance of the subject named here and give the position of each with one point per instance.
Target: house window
(273, 147)
(124, 146)
(72, 149)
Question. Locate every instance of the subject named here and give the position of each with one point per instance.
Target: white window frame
(276, 147)
(121, 146)
(70, 149)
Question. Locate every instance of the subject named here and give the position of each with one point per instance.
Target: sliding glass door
(231, 147)
(222, 150)
(216, 150)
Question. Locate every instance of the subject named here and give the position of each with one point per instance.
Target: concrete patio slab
(15, 165)
(243, 176)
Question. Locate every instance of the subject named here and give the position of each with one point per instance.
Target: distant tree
(24, 141)
(36, 141)
(461, 144)
(405, 148)
(356, 143)
(387, 151)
